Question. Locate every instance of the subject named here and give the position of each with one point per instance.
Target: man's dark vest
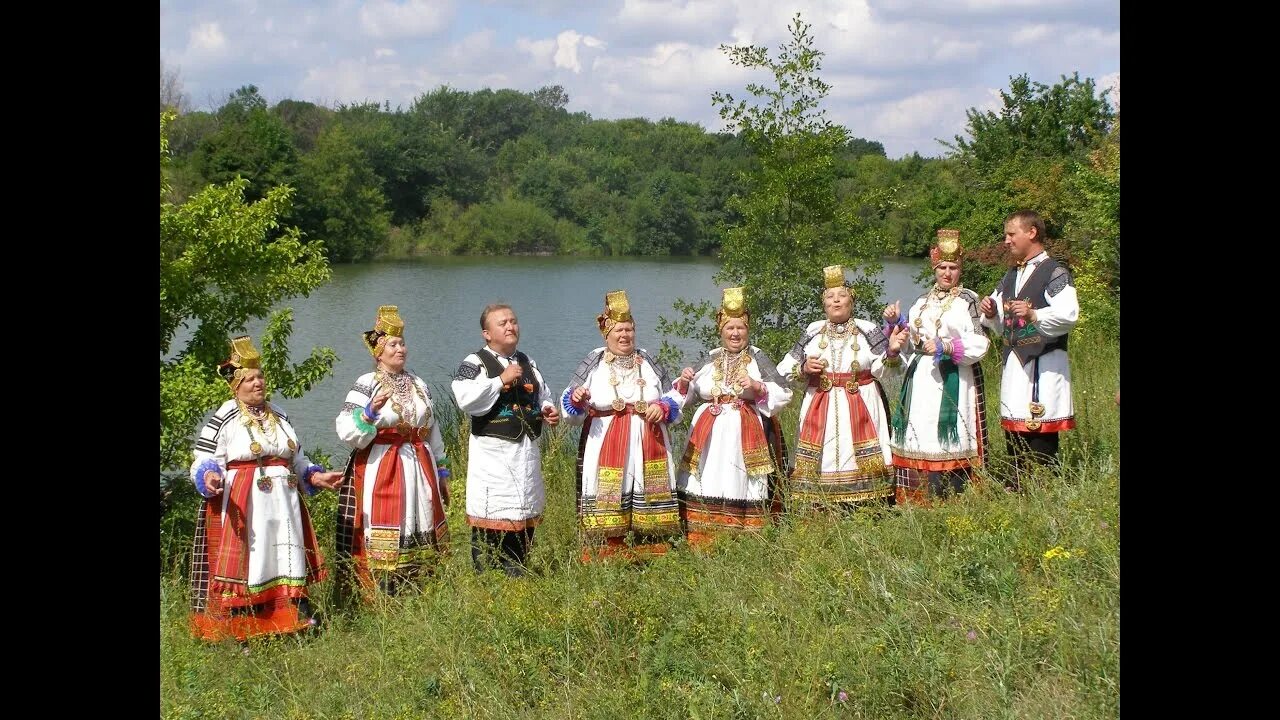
(1027, 341)
(517, 412)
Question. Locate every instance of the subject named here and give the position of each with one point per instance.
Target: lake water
(440, 299)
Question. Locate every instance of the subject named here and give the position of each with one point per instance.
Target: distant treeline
(502, 171)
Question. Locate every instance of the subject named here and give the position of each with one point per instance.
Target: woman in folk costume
(255, 550)
(391, 516)
(939, 426)
(842, 455)
(728, 478)
(626, 476)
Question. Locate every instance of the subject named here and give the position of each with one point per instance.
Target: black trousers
(941, 482)
(1028, 449)
(504, 549)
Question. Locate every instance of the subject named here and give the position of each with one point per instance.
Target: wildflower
(972, 635)
(1104, 525)
(1056, 551)
(843, 696)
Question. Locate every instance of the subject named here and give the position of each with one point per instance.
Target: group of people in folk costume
(255, 546)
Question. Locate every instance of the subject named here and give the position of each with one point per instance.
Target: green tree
(665, 218)
(250, 142)
(340, 201)
(1065, 120)
(1040, 152)
(431, 160)
(791, 223)
(1093, 233)
(513, 226)
(304, 120)
(547, 181)
(218, 270)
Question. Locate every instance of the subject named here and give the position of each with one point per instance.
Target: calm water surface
(556, 299)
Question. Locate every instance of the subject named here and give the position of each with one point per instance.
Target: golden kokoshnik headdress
(948, 248)
(833, 277)
(244, 357)
(388, 324)
(616, 309)
(732, 305)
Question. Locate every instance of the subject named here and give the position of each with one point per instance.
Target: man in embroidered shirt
(1033, 309)
(508, 401)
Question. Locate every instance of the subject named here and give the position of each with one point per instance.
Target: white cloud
(207, 38)
(541, 50)
(674, 19)
(669, 67)
(917, 121)
(566, 53)
(361, 80)
(902, 71)
(412, 18)
(1031, 34)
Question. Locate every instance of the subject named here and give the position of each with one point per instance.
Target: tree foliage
(224, 262)
(1054, 149)
(790, 222)
(250, 143)
(341, 202)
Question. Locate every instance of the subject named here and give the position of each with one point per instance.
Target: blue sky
(903, 72)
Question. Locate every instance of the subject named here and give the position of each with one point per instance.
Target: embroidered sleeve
(467, 371)
(1061, 278)
(585, 368)
(878, 342)
(475, 395)
(208, 440)
(352, 428)
(305, 479)
(201, 469)
(567, 405)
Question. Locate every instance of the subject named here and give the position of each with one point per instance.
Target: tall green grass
(991, 605)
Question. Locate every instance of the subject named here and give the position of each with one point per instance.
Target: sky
(902, 72)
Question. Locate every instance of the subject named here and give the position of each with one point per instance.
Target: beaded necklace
(941, 299)
(725, 375)
(631, 365)
(403, 389)
(265, 419)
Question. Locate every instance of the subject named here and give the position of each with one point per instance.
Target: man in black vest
(1033, 310)
(503, 392)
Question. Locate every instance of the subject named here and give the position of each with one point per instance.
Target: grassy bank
(994, 605)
